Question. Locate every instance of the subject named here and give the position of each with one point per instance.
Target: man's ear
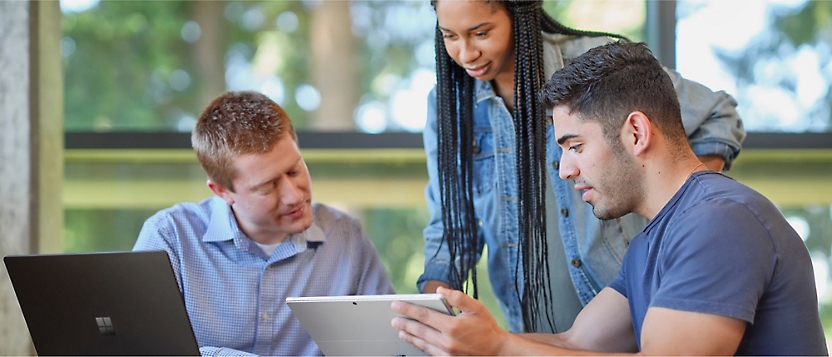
(637, 133)
(220, 191)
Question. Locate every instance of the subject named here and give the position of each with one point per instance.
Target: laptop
(359, 325)
(120, 303)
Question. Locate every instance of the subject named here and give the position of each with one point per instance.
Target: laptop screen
(119, 303)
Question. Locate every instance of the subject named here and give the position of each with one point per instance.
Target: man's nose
(291, 194)
(567, 169)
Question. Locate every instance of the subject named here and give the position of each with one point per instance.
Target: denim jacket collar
(483, 90)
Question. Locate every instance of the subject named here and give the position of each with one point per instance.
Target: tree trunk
(208, 54)
(334, 70)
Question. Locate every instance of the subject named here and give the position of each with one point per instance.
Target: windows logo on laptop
(105, 326)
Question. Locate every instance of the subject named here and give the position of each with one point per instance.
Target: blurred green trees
(119, 58)
(152, 65)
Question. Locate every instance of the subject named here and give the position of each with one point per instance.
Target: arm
(475, 332)
(604, 325)
(711, 121)
(602, 328)
(676, 332)
(665, 331)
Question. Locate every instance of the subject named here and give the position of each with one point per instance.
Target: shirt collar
(223, 227)
(312, 237)
(675, 199)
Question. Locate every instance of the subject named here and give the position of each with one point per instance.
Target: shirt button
(576, 262)
(479, 223)
(265, 316)
(564, 212)
(556, 165)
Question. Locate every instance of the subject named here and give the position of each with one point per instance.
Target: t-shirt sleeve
(619, 284)
(718, 259)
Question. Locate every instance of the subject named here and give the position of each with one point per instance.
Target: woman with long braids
(493, 165)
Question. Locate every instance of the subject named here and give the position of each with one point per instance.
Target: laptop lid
(359, 325)
(120, 303)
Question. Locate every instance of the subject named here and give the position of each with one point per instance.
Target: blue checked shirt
(235, 295)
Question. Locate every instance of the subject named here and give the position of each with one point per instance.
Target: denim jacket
(594, 248)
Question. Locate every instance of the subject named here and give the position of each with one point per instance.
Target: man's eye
(267, 188)
(575, 147)
(481, 33)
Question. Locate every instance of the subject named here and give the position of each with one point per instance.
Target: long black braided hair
(455, 92)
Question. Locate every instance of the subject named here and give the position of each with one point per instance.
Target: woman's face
(478, 36)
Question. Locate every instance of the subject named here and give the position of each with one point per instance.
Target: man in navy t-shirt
(720, 248)
(717, 271)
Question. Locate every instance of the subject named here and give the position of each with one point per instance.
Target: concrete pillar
(31, 148)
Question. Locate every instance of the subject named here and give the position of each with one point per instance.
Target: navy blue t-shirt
(719, 247)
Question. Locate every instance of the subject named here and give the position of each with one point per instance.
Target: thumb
(460, 300)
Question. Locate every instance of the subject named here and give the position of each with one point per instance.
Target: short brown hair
(235, 124)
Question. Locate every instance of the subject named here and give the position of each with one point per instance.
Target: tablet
(359, 325)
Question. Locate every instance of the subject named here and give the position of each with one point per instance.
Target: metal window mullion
(660, 30)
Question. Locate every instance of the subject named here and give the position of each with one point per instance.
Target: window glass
(774, 57)
(814, 224)
(333, 65)
(625, 17)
